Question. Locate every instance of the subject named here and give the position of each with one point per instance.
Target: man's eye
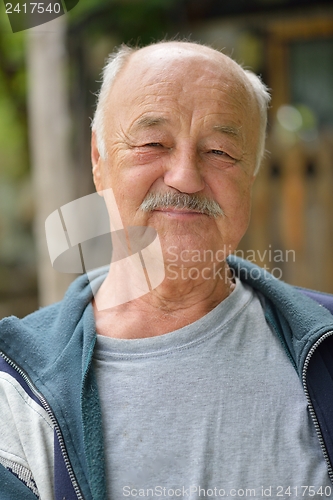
(219, 152)
(226, 156)
(153, 144)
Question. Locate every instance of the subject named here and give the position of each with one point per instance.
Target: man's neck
(172, 305)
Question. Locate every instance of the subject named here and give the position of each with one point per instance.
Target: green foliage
(15, 211)
(13, 116)
(130, 21)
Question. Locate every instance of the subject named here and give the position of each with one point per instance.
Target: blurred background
(48, 78)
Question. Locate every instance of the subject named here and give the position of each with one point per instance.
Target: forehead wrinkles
(191, 78)
(193, 83)
(184, 96)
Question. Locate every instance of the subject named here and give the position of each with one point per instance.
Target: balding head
(155, 58)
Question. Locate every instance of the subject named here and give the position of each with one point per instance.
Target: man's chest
(228, 414)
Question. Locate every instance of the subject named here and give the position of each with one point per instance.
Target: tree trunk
(50, 134)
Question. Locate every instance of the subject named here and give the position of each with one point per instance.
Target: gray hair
(117, 60)
(263, 99)
(114, 63)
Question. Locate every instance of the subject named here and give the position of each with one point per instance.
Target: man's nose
(183, 171)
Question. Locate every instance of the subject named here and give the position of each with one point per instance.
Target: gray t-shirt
(214, 409)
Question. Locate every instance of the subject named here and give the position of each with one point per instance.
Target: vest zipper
(311, 409)
(53, 420)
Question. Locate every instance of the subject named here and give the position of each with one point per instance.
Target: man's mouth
(173, 212)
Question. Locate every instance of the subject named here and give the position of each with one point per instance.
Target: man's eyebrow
(227, 129)
(150, 121)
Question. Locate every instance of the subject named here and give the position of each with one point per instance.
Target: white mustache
(155, 201)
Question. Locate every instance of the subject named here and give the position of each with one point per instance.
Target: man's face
(181, 120)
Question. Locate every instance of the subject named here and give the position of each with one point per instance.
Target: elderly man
(215, 383)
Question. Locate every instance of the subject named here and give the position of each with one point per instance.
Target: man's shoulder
(37, 319)
(300, 317)
(322, 298)
(280, 293)
(46, 314)
(53, 323)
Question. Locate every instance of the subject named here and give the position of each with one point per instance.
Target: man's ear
(96, 161)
